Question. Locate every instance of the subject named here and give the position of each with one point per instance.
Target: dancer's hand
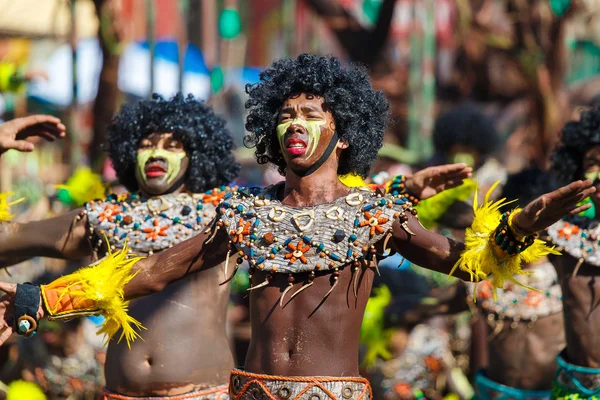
(14, 133)
(7, 313)
(553, 206)
(430, 181)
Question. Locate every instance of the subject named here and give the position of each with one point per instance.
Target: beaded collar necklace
(515, 303)
(150, 224)
(579, 237)
(276, 238)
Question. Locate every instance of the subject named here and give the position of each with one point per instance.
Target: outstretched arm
(436, 252)
(60, 237)
(190, 256)
(106, 287)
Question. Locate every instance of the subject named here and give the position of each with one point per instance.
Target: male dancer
(168, 154)
(578, 156)
(309, 240)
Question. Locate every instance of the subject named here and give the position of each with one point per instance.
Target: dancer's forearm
(59, 237)
(428, 249)
(170, 265)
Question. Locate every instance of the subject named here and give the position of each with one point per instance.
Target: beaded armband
(397, 187)
(506, 238)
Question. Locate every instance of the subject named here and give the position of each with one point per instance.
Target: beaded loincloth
(579, 237)
(276, 238)
(149, 225)
(248, 386)
(214, 393)
(515, 303)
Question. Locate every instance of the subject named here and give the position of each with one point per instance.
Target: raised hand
(551, 207)
(14, 133)
(7, 313)
(430, 181)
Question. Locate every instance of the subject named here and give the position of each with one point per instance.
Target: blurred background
(487, 82)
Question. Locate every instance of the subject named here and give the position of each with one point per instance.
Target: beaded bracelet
(506, 239)
(398, 188)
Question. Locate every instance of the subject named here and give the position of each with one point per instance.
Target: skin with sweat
(170, 360)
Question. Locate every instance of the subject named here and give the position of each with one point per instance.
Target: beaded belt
(573, 381)
(213, 393)
(488, 389)
(247, 386)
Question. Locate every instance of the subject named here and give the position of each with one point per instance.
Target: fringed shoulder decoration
(93, 290)
(5, 205)
(484, 259)
(433, 208)
(372, 332)
(83, 186)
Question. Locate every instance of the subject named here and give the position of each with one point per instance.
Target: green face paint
(173, 162)
(464, 158)
(592, 176)
(313, 128)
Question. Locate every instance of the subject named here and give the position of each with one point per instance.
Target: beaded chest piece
(276, 238)
(153, 224)
(516, 303)
(579, 237)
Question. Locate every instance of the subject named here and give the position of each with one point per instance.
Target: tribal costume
(247, 386)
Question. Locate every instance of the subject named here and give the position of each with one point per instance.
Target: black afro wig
(205, 139)
(359, 111)
(465, 125)
(577, 138)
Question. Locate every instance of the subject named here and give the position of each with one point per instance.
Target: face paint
(173, 162)
(463, 158)
(592, 176)
(313, 128)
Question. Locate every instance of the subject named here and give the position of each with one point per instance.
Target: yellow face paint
(173, 161)
(464, 158)
(313, 128)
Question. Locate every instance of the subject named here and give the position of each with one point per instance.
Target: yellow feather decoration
(481, 258)
(84, 186)
(101, 284)
(5, 214)
(352, 180)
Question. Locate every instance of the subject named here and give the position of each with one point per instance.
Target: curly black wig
(577, 138)
(359, 111)
(527, 185)
(465, 125)
(207, 142)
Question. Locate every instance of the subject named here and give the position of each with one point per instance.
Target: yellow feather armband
(96, 290)
(483, 259)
